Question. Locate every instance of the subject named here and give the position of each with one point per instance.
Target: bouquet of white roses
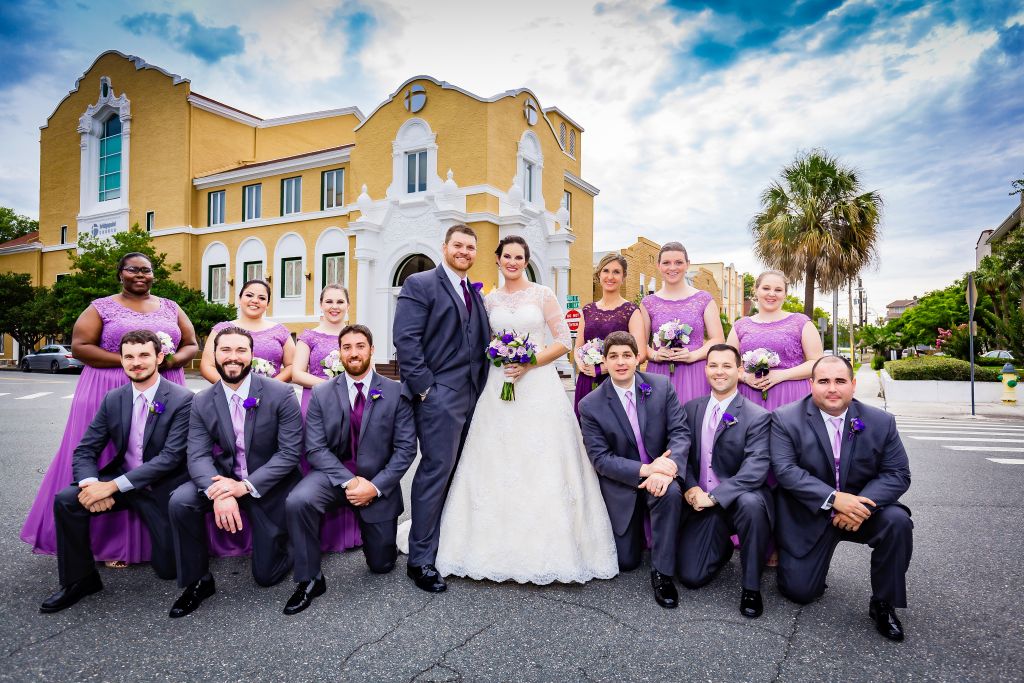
(592, 353)
(332, 364)
(263, 367)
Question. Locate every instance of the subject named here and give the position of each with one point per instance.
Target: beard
(357, 366)
(232, 380)
(143, 377)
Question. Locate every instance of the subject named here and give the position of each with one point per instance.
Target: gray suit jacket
(273, 436)
(435, 339)
(613, 450)
(163, 443)
(872, 463)
(387, 440)
(739, 456)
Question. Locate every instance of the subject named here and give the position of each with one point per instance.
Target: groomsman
(625, 422)
(243, 453)
(147, 421)
(360, 440)
(841, 469)
(725, 483)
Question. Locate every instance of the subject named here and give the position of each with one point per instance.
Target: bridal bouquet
(759, 362)
(166, 343)
(264, 367)
(332, 364)
(672, 335)
(507, 348)
(593, 353)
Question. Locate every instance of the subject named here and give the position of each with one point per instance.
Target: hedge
(993, 362)
(939, 368)
(877, 361)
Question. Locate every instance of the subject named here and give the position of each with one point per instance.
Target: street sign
(971, 294)
(572, 319)
(572, 302)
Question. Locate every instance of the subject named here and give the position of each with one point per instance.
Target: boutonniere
(645, 389)
(375, 394)
(856, 427)
(728, 420)
(156, 407)
(251, 403)
(478, 286)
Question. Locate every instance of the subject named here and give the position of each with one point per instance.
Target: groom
(440, 334)
(625, 422)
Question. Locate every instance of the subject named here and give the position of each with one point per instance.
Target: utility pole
(853, 348)
(861, 303)
(835, 322)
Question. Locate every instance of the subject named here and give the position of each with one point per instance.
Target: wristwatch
(713, 499)
(423, 396)
(830, 501)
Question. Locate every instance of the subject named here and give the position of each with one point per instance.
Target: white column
(561, 284)
(364, 288)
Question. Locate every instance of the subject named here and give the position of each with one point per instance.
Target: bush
(993, 362)
(877, 361)
(939, 368)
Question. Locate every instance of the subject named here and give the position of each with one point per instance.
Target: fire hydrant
(1009, 380)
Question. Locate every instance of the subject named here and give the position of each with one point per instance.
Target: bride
(524, 503)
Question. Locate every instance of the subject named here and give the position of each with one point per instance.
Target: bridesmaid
(340, 528)
(791, 335)
(611, 313)
(117, 539)
(679, 300)
(271, 341)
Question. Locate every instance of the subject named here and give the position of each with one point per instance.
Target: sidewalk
(869, 390)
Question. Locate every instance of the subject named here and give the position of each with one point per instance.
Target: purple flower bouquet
(759, 362)
(507, 348)
(672, 335)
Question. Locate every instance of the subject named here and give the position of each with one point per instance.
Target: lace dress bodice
(534, 311)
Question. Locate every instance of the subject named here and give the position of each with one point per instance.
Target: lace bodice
(689, 310)
(320, 345)
(534, 310)
(784, 337)
(118, 320)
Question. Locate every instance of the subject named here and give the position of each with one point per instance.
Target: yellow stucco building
(313, 198)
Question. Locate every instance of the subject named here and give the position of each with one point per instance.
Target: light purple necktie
(238, 423)
(837, 444)
(708, 480)
(634, 422)
(133, 455)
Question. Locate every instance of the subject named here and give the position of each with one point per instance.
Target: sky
(690, 107)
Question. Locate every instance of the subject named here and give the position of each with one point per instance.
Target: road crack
(440, 661)
(391, 630)
(591, 608)
(40, 641)
(789, 645)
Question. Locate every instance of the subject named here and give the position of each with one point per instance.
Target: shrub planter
(939, 391)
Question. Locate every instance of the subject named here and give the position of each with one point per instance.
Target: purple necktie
(708, 480)
(238, 424)
(133, 455)
(837, 444)
(467, 297)
(357, 421)
(634, 422)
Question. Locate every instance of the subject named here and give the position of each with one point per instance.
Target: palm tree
(816, 224)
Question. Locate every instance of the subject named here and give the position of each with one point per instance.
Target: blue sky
(690, 106)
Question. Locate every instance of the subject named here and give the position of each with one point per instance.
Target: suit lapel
(224, 426)
(160, 397)
(849, 444)
(620, 412)
(255, 391)
(446, 284)
(344, 412)
(368, 408)
(736, 406)
(126, 417)
(817, 426)
(641, 406)
(697, 429)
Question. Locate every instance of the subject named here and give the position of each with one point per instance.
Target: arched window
(561, 135)
(572, 143)
(110, 159)
(417, 263)
(531, 274)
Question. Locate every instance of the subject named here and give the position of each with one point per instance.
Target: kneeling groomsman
(243, 453)
(842, 469)
(624, 422)
(725, 483)
(360, 440)
(147, 421)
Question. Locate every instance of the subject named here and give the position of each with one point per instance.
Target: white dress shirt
(712, 402)
(456, 281)
(622, 395)
(122, 482)
(243, 393)
(352, 392)
(831, 430)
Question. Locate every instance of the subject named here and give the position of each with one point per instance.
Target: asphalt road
(964, 623)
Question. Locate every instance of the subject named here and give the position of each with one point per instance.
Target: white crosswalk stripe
(986, 449)
(1007, 461)
(968, 436)
(68, 396)
(32, 396)
(5, 393)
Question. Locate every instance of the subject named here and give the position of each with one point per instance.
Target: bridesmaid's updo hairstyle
(335, 285)
(262, 283)
(620, 338)
(513, 239)
(617, 258)
(769, 273)
(674, 246)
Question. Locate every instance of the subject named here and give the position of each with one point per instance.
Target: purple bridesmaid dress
(784, 338)
(117, 535)
(688, 379)
(598, 323)
(267, 344)
(340, 528)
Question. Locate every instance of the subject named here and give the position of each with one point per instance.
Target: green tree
(1018, 186)
(748, 287)
(94, 275)
(794, 305)
(13, 225)
(29, 313)
(1000, 278)
(945, 308)
(816, 224)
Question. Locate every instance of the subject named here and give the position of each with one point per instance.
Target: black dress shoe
(72, 593)
(304, 594)
(750, 604)
(665, 593)
(886, 621)
(193, 596)
(427, 578)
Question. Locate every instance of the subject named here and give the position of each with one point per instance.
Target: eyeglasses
(134, 270)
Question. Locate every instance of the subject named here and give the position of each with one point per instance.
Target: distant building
(988, 238)
(982, 248)
(642, 272)
(898, 308)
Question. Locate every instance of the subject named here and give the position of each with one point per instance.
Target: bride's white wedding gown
(524, 503)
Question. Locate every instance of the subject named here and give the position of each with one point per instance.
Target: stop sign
(572, 319)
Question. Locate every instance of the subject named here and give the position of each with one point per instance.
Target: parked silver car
(998, 353)
(53, 358)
